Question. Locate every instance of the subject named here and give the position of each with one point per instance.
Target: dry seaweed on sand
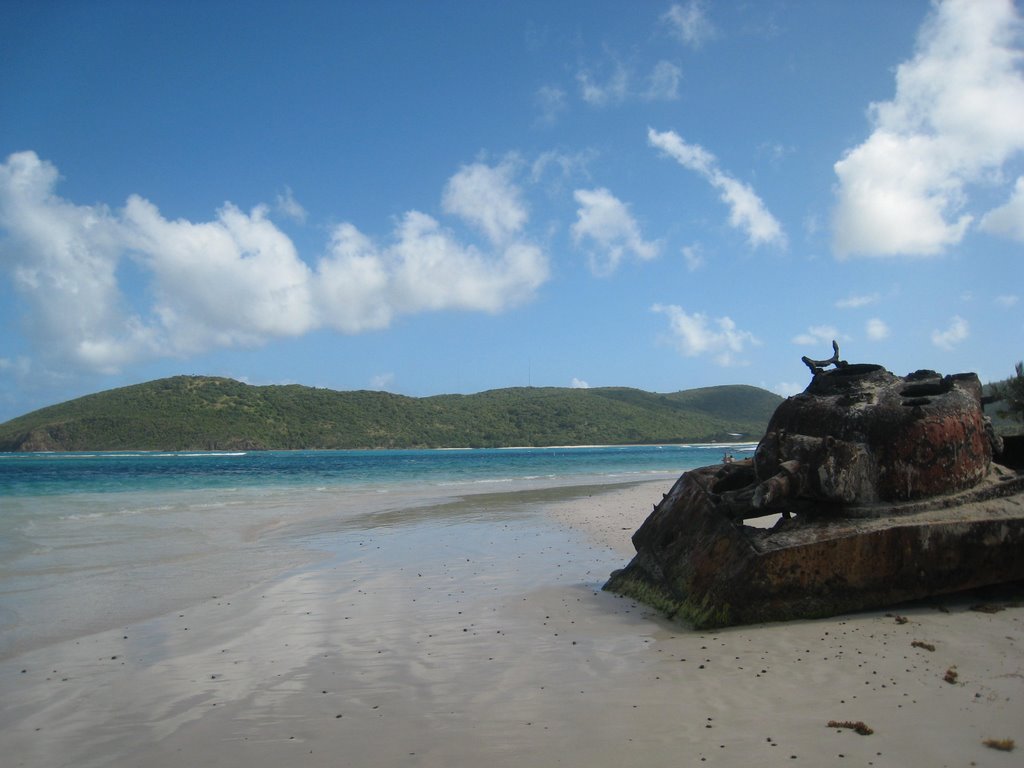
(1004, 745)
(922, 644)
(988, 608)
(858, 726)
(951, 675)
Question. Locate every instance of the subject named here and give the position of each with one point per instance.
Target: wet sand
(482, 641)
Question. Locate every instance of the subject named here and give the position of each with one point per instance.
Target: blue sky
(435, 197)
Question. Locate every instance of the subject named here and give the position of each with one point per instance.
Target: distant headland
(211, 413)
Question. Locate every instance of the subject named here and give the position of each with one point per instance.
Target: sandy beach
(491, 643)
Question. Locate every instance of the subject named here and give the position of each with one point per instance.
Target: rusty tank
(868, 488)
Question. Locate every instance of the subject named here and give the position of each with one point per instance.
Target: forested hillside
(205, 413)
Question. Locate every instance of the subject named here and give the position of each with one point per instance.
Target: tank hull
(699, 561)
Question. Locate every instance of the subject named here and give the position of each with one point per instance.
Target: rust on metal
(886, 488)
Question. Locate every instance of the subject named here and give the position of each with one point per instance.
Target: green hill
(1005, 423)
(204, 413)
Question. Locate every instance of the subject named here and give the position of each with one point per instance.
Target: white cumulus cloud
(957, 331)
(622, 83)
(362, 285)
(855, 301)
(697, 334)
(689, 23)
(817, 335)
(238, 279)
(956, 118)
(288, 206)
(428, 269)
(605, 222)
(602, 93)
(63, 259)
(551, 103)
(486, 197)
(579, 384)
(876, 329)
(1008, 219)
(19, 366)
(788, 388)
(353, 283)
(233, 281)
(693, 257)
(746, 210)
(555, 168)
(663, 82)
(382, 381)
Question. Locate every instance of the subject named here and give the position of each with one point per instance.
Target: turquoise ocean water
(90, 541)
(48, 474)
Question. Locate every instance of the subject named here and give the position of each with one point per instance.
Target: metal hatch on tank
(887, 488)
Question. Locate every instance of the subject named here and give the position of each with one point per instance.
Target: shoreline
(221, 452)
(480, 635)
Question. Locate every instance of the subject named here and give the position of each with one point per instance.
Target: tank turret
(860, 434)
